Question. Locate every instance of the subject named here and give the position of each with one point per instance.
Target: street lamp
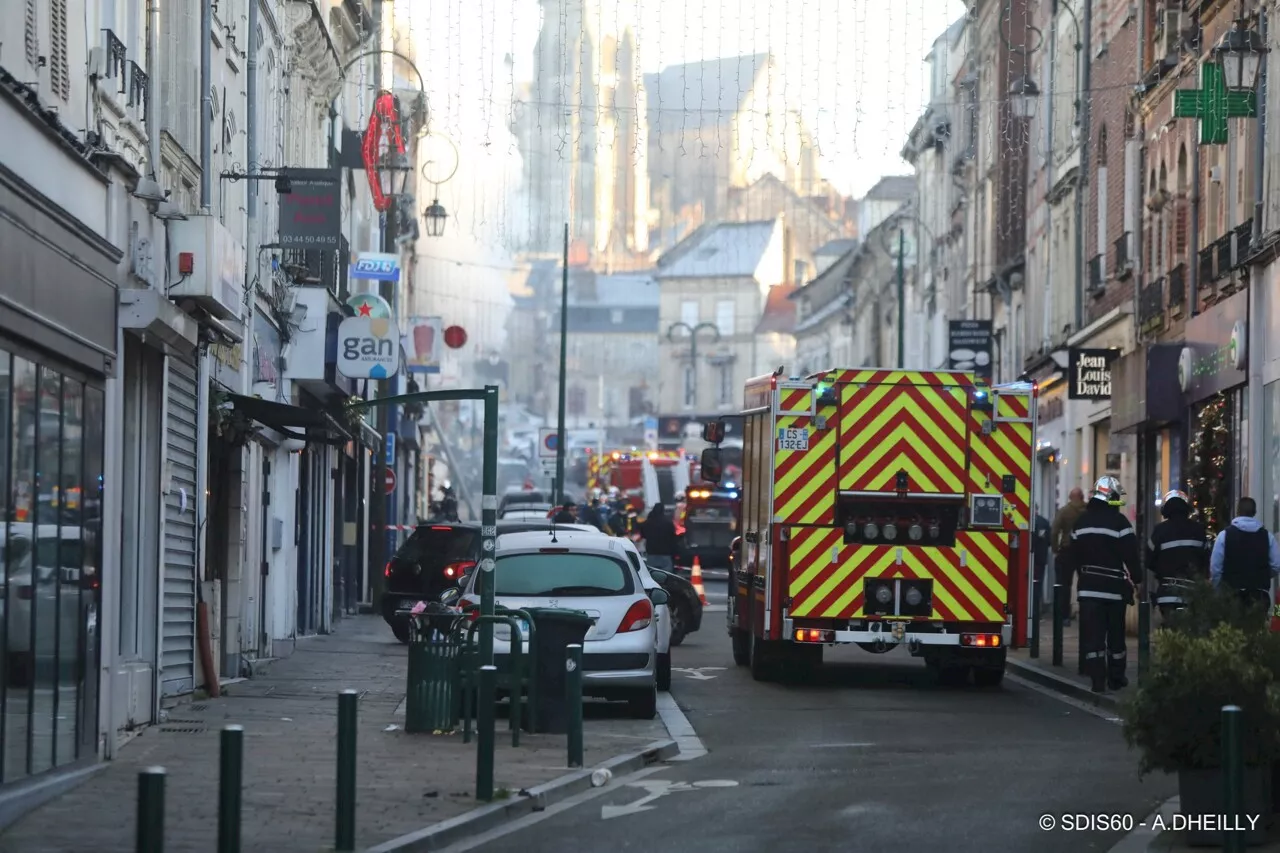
(393, 173)
(692, 332)
(1025, 95)
(436, 217)
(1240, 52)
(435, 214)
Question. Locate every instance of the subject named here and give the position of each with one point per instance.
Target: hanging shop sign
(1089, 373)
(369, 342)
(311, 215)
(423, 341)
(969, 347)
(1144, 389)
(376, 266)
(1216, 352)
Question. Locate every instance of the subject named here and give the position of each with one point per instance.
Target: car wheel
(663, 674)
(644, 704)
(680, 620)
(401, 629)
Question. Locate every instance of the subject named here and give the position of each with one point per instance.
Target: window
(59, 72)
(689, 313)
(556, 573)
(690, 387)
(725, 396)
(724, 316)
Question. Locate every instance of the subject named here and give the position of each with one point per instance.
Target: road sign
(391, 448)
(549, 466)
(548, 442)
(391, 480)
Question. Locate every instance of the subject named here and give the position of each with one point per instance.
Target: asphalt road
(874, 756)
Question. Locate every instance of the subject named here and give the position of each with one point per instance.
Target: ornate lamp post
(692, 333)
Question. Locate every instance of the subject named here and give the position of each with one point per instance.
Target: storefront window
(50, 443)
(1269, 501)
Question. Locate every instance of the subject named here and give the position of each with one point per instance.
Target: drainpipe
(154, 111)
(1046, 308)
(206, 103)
(251, 155)
(1082, 185)
(1257, 311)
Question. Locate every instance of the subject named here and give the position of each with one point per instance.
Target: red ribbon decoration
(382, 120)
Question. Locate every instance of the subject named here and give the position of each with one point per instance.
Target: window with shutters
(32, 35)
(1182, 220)
(59, 73)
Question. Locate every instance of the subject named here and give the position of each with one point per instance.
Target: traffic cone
(697, 581)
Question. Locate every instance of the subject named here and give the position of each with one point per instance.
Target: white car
(593, 573)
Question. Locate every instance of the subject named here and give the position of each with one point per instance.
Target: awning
(292, 421)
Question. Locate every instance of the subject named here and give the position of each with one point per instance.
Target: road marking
(715, 608)
(697, 673)
(658, 788)
(839, 745)
(679, 729)
(1101, 713)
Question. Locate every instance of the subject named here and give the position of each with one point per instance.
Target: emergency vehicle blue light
(733, 494)
(730, 485)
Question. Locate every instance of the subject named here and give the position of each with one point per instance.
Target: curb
(440, 835)
(1063, 685)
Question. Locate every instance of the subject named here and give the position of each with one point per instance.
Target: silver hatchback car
(588, 572)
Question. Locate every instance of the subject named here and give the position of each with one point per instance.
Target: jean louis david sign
(368, 342)
(1089, 373)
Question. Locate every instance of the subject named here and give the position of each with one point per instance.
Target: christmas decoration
(1207, 478)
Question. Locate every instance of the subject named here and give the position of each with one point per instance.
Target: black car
(434, 558)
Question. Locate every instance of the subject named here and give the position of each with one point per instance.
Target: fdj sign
(368, 348)
(375, 266)
(1089, 373)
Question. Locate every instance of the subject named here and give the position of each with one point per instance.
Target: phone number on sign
(1089, 822)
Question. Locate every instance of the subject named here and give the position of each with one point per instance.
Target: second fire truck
(888, 509)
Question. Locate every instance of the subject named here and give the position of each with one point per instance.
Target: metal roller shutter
(177, 640)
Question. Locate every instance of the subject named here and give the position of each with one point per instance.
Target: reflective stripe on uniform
(1101, 531)
(1181, 543)
(1169, 599)
(1118, 655)
(1104, 572)
(1105, 596)
(1092, 655)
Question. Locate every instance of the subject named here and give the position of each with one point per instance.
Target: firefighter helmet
(1108, 490)
(1171, 499)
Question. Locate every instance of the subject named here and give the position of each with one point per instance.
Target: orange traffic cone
(697, 581)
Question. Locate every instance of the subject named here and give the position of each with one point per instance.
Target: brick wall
(1113, 74)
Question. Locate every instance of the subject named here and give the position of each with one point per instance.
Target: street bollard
(230, 788)
(1059, 602)
(1144, 633)
(344, 837)
(486, 732)
(1233, 839)
(1036, 593)
(573, 696)
(150, 835)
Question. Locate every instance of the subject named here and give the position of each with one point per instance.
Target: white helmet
(1109, 490)
(1170, 499)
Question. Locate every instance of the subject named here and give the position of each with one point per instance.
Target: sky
(853, 68)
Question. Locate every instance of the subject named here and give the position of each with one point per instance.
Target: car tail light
(980, 641)
(814, 635)
(386, 573)
(679, 529)
(24, 593)
(443, 527)
(457, 570)
(638, 617)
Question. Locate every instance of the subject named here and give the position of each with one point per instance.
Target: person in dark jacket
(1040, 553)
(1245, 556)
(1064, 572)
(1104, 549)
(1177, 552)
(659, 534)
(567, 514)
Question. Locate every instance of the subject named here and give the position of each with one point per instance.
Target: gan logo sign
(368, 348)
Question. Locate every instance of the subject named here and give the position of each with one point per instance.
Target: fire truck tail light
(915, 532)
(890, 532)
(980, 641)
(935, 530)
(814, 635)
(871, 531)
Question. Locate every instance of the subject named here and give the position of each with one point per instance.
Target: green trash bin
(557, 629)
(431, 693)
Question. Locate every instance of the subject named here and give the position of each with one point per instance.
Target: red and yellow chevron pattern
(1007, 450)
(970, 580)
(904, 424)
(897, 377)
(803, 488)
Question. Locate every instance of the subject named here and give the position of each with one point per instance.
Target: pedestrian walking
(1245, 556)
(1064, 571)
(1104, 549)
(659, 534)
(1177, 552)
(1040, 553)
(567, 514)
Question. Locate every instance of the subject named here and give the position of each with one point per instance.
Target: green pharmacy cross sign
(1213, 104)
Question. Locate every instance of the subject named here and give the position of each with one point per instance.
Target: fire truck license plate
(899, 629)
(793, 439)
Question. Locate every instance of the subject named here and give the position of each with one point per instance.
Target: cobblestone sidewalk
(405, 782)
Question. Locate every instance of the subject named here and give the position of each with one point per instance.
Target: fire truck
(884, 508)
(645, 477)
(707, 523)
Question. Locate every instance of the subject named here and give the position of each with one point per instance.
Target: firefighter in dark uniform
(1105, 549)
(1177, 552)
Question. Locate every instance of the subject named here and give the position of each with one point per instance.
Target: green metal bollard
(573, 696)
(1059, 602)
(150, 837)
(1144, 634)
(344, 837)
(486, 731)
(230, 788)
(1036, 593)
(1233, 841)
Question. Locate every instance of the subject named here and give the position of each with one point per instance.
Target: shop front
(1212, 375)
(58, 346)
(1147, 404)
(1049, 378)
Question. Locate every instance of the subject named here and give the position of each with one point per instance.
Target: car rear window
(559, 574)
(437, 547)
(531, 497)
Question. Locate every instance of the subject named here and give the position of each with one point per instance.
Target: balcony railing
(1205, 268)
(1177, 288)
(1244, 238)
(116, 56)
(1222, 249)
(1151, 306)
(1123, 258)
(138, 89)
(1097, 278)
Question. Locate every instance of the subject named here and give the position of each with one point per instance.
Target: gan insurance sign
(369, 342)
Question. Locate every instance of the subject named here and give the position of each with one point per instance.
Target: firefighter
(1177, 552)
(1105, 551)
